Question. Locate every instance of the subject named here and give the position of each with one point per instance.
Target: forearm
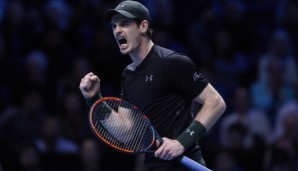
(210, 112)
(213, 107)
(92, 100)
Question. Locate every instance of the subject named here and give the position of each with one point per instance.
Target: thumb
(158, 143)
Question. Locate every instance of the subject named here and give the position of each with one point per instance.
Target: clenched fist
(90, 85)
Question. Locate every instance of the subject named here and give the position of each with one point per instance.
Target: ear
(144, 26)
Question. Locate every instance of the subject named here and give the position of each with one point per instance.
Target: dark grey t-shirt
(163, 87)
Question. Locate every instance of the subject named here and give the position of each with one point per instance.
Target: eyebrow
(121, 21)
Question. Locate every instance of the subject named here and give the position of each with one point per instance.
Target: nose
(117, 30)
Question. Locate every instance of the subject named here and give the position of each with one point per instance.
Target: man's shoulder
(170, 57)
(163, 52)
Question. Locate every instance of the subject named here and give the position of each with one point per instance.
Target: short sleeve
(184, 76)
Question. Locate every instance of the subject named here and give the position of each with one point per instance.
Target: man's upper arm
(208, 92)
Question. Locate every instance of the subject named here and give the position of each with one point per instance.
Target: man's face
(126, 32)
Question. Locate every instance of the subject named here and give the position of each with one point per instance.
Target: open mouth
(122, 41)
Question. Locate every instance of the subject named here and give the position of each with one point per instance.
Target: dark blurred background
(246, 48)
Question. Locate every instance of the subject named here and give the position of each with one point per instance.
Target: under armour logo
(197, 76)
(149, 78)
(121, 6)
(190, 132)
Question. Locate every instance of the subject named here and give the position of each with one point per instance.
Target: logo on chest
(149, 78)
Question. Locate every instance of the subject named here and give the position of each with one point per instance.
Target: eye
(113, 26)
(124, 24)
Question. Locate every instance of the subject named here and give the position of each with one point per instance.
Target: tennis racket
(123, 127)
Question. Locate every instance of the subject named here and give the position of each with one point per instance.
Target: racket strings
(139, 131)
(120, 123)
(127, 130)
(142, 127)
(144, 140)
(109, 132)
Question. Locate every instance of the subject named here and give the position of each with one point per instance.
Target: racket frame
(103, 139)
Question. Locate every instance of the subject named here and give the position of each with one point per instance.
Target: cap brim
(109, 13)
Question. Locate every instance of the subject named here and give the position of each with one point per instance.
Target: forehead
(116, 18)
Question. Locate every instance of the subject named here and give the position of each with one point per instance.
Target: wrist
(191, 134)
(90, 101)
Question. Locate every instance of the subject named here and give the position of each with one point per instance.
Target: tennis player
(163, 84)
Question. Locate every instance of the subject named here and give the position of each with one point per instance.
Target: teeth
(119, 38)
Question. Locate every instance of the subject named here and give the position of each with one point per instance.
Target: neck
(141, 52)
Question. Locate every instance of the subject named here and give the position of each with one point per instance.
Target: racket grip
(191, 164)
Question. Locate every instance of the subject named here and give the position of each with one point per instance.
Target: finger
(85, 87)
(89, 85)
(160, 149)
(90, 74)
(158, 152)
(85, 84)
(164, 155)
(87, 76)
(94, 78)
(84, 81)
(157, 143)
(168, 156)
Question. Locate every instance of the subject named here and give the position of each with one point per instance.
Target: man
(162, 83)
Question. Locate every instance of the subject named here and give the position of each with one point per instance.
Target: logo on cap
(121, 5)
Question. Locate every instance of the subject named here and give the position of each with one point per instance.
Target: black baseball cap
(129, 9)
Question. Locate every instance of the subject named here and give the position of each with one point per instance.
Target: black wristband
(103, 107)
(92, 100)
(191, 134)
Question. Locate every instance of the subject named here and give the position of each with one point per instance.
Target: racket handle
(191, 164)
